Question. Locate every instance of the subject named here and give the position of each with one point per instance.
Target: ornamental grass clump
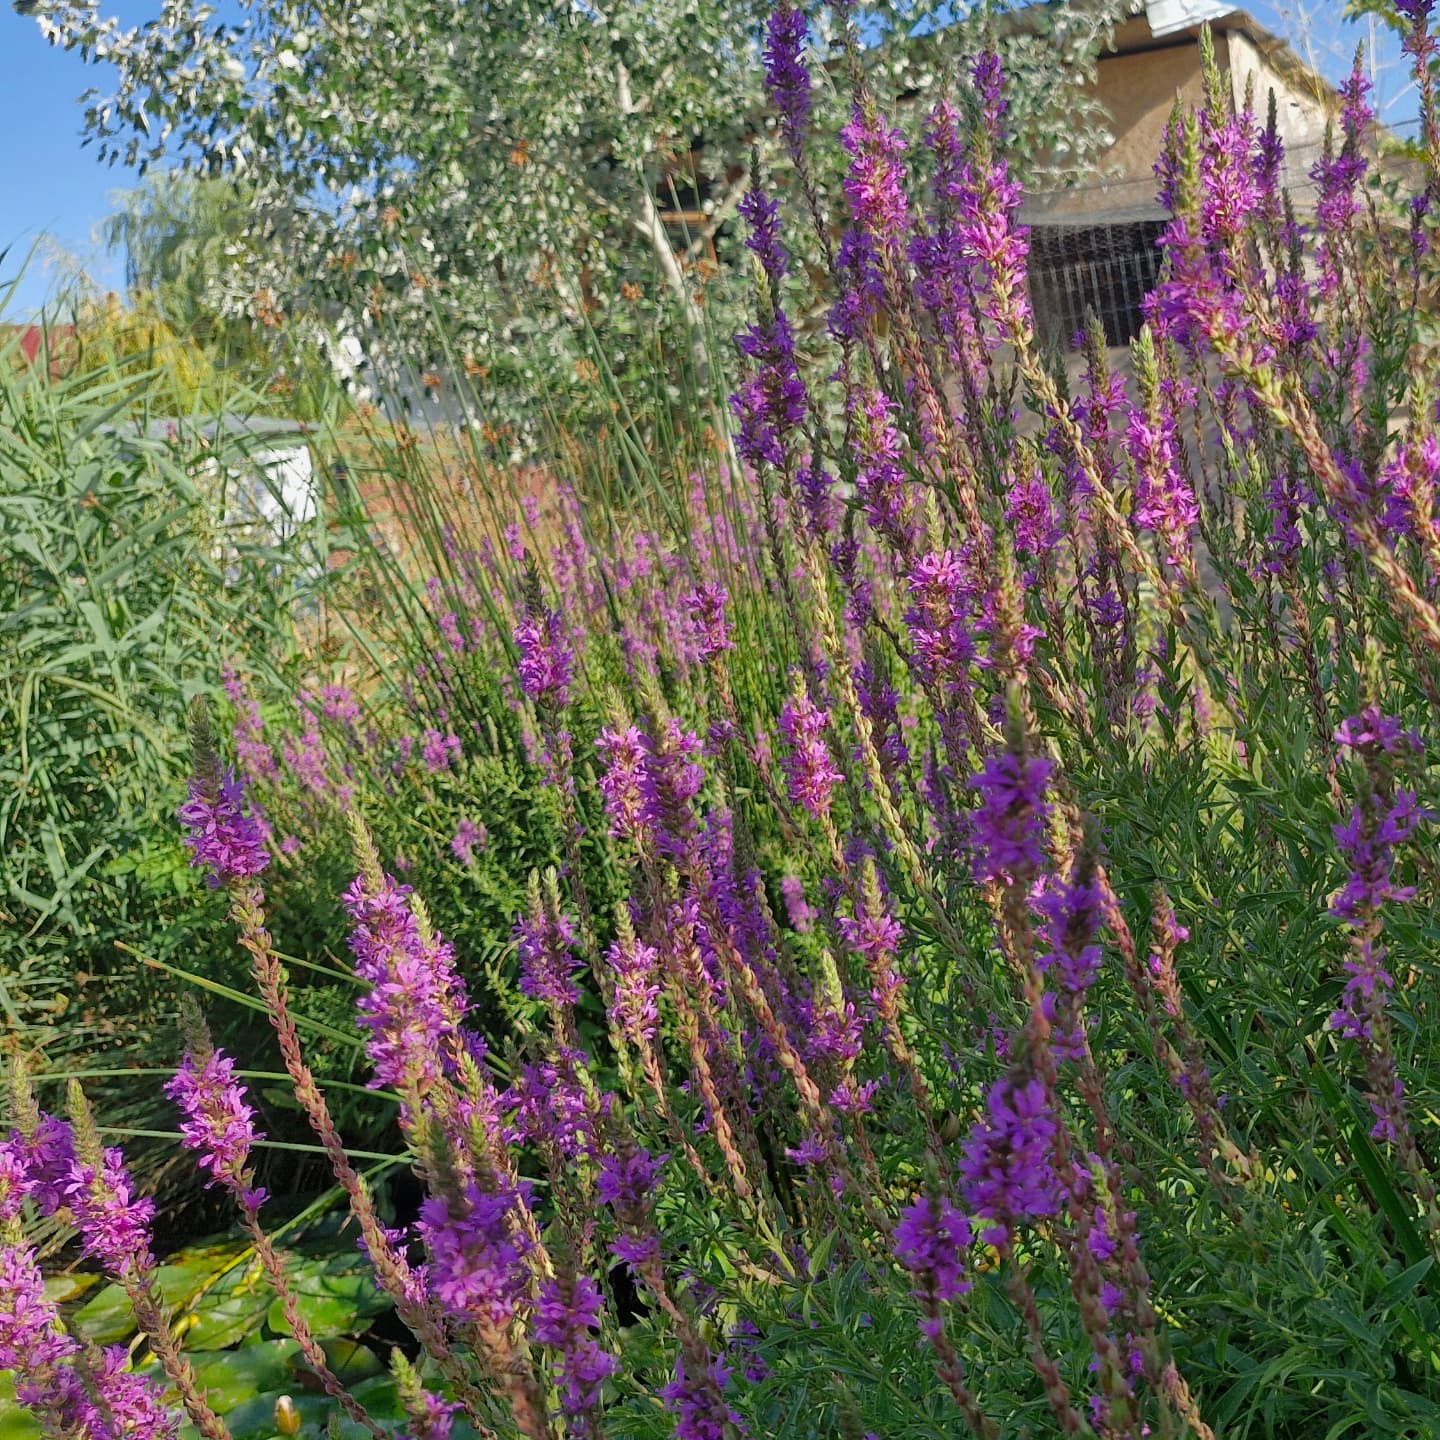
(979, 978)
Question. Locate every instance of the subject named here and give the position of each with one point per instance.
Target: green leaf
(336, 1295)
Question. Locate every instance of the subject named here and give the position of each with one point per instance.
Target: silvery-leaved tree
(505, 166)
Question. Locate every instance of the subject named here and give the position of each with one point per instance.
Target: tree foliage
(398, 160)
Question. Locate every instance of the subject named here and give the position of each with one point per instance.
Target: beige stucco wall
(1302, 109)
(1139, 92)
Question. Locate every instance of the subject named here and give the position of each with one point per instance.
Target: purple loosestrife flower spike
(468, 838)
(808, 764)
(33, 1347)
(626, 1183)
(1073, 912)
(131, 1406)
(47, 1161)
(1338, 177)
(226, 836)
(875, 181)
(547, 663)
(566, 1316)
(880, 479)
(940, 619)
(1008, 826)
(1164, 500)
(114, 1222)
(1007, 1169)
(787, 77)
(696, 1398)
(771, 403)
(544, 937)
(428, 1416)
(634, 1006)
(478, 1254)
(415, 1003)
(931, 1242)
(218, 1122)
(1384, 818)
(987, 228)
(627, 784)
(705, 605)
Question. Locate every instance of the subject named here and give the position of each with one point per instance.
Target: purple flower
(547, 663)
(626, 1183)
(1229, 192)
(415, 1003)
(468, 838)
(875, 181)
(745, 1341)
(1284, 497)
(1008, 826)
(761, 213)
(808, 764)
(940, 619)
(478, 1266)
(880, 479)
(1366, 989)
(1371, 731)
(430, 1417)
(440, 751)
(256, 758)
(1337, 178)
(862, 292)
(1368, 840)
(46, 1163)
(988, 201)
(1007, 1169)
(770, 405)
(547, 968)
(549, 1108)
(131, 1406)
(114, 1222)
(218, 1123)
(786, 76)
(1072, 914)
(626, 785)
(633, 1008)
(705, 605)
(1164, 501)
(931, 1242)
(798, 909)
(33, 1347)
(568, 1311)
(1030, 509)
(696, 1398)
(92, 1397)
(226, 837)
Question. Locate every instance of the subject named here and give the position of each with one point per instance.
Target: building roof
(1168, 16)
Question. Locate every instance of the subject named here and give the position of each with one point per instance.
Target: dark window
(1105, 268)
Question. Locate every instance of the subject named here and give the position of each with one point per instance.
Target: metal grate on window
(1105, 268)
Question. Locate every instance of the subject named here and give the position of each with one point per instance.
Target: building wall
(1139, 92)
(1302, 109)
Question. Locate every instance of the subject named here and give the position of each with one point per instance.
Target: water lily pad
(232, 1377)
(202, 1278)
(15, 1422)
(336, 1295)
(351, 1361)
(223, 1320)
(60, 1289)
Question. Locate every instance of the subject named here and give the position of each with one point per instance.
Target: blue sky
(52, 190)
